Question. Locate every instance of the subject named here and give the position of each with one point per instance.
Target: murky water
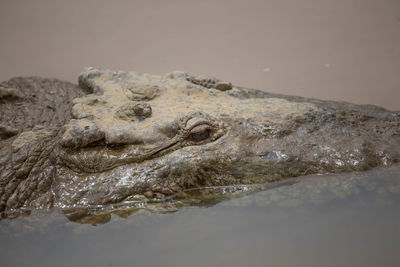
(322, 220)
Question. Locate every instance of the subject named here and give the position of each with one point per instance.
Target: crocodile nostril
(134, 111)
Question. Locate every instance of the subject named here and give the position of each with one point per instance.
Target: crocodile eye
(200, 133)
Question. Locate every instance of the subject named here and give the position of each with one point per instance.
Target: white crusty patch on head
(169, 96)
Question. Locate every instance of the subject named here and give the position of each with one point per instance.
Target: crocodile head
(137, 135)
(135, 138)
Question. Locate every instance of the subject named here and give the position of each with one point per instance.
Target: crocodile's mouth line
(102, 158)
(95, 162)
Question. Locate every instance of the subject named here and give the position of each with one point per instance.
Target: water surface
(321, 220)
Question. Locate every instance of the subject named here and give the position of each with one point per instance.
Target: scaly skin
(34, 110)
(136, 136)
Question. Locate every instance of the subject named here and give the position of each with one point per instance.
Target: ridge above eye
(195, 121)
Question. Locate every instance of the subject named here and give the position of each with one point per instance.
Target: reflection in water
(318, 190)
(329, 220)
(295, 192)
(201, 197)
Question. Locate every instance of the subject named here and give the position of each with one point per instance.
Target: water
(322, 220)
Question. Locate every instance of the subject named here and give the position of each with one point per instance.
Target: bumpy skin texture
(34, 110)
(141, 136)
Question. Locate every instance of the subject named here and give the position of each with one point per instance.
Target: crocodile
(119, 136)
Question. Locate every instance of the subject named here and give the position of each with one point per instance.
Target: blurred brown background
(331, 49)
